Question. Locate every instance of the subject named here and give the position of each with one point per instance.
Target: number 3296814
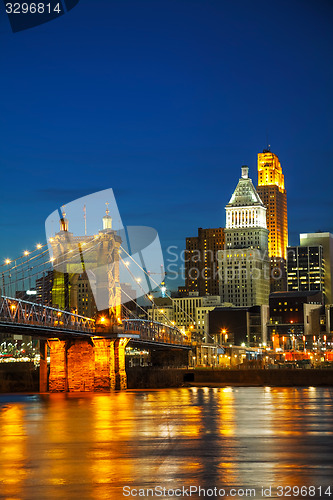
(32, 8)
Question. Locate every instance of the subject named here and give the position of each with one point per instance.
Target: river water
(168, 444)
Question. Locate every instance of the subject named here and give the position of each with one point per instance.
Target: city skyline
(178, 278)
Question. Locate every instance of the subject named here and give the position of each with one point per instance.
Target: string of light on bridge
(26, 270)
(26, 253)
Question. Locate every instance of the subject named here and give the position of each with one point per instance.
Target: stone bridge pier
(79, 365)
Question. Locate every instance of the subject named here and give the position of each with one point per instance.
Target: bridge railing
(156, 332)
(19, 311)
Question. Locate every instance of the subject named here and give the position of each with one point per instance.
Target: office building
(272, 192)
(244, 263)
(44, 287)
(325, 239)
(305, 268)
(190, 314)
(201, 264)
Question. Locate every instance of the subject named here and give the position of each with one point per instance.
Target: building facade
(325, 239)
(201, 264)
(190, 314)
(305, 269)
(272, 191)
(244, 263)
(239, 325)
(294, 321)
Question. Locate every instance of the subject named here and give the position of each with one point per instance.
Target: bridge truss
(30, 314)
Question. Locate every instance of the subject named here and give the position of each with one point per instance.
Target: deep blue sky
(164, 101)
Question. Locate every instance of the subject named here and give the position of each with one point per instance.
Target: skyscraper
(201, 266)
(305, 268)
(324, 239)
(272, 191)
(244, 263)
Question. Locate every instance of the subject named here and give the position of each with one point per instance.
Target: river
(168, 443)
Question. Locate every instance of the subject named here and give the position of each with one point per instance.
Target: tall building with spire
(244, 262)
(272, 191)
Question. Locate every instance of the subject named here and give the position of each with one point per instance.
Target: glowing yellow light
(7, 261)
(38, 246)
(51, 240)
(26, 253)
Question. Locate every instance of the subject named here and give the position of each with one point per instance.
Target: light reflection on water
(90, 446)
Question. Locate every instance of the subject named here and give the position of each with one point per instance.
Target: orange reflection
(13, 451)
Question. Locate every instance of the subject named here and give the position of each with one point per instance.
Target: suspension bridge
(45, 297)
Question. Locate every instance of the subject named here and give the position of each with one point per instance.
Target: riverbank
(148, 377)
(18, 377)
(24, 377)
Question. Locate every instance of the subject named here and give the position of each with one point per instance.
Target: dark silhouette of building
(201, 264)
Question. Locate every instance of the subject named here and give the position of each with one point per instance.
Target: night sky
(163, 101)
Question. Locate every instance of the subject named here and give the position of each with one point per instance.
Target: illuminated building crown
(245, 208)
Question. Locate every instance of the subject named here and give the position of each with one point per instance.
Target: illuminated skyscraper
(244, 263)
(274, 196)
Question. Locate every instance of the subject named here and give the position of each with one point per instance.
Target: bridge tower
(96, 364)
(94, 257)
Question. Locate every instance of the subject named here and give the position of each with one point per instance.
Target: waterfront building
(295, 317)
(239, 325)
